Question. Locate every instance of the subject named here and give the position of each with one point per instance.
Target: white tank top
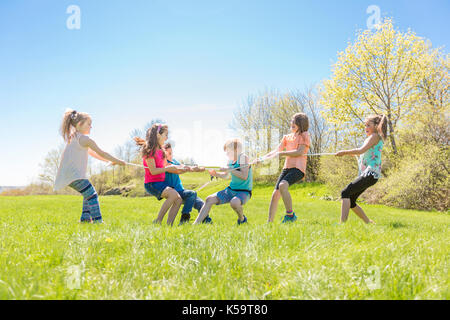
(73, 164)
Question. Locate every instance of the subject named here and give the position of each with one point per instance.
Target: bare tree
(50, 165)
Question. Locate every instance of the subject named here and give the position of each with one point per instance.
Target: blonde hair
(301, 121)
(70, 120)
(380, 122)
(233, 144)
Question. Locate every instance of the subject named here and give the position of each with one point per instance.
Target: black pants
(357, 187)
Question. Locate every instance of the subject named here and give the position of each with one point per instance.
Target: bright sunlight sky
(191, 63)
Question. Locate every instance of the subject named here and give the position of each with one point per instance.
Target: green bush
(420, 180)
(337, 172)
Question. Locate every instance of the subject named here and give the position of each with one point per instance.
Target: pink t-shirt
(292, 142)
(160, 163)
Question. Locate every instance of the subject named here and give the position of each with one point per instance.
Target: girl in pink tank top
(154, 160)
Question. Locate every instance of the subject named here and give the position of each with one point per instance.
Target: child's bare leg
(171, 195)
(360, 213)
(276, 195)
(174, 210)
(236, 204)
(209, 202)
(287, 199)
(345, 209)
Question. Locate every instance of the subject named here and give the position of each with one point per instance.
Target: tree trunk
(391, 134)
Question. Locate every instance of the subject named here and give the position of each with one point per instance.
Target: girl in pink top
(294, 147)
(154, 159)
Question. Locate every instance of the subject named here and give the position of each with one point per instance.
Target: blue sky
(191, 63)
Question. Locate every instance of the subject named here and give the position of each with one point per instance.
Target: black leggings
(357, 187)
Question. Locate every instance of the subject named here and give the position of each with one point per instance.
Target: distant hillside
(6, 188)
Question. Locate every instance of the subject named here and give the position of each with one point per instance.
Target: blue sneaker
(289, 219)
(185, 217)
(243, 221)
(207, 220)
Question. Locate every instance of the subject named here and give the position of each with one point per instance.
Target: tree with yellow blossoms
(379, 73)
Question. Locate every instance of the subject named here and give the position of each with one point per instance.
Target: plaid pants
(91, 206)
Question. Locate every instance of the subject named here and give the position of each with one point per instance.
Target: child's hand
(185, 169)
(197, 169)
(120, 163)
(182, 168)
(256, 161)
(224, 169)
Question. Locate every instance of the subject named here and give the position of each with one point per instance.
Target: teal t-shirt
(173, 179)
(237, 183)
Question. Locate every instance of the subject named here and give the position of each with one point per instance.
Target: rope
(233, 169)
(243, 166)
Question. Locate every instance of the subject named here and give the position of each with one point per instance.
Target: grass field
(46, 254)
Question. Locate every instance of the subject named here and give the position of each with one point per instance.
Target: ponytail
(380, 122)
(382, 127)
(70, 120)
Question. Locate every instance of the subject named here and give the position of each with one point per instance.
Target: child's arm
(94, 154)
(243, 172)
(369, 143)
(151, 165)
(222, 175)
(269, 155)
(177, 169)
(294, 153)
(102, 155)
(196, 169)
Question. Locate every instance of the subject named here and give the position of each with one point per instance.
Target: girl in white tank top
(75, 129)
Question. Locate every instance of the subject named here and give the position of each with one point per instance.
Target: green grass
(43, 246)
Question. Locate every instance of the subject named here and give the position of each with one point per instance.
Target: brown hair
(301, 121)
(380, 122)
(150, 144)
(167, 145)
(70, 120)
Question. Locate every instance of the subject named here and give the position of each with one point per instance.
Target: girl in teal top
(370, 161)
(369, 166)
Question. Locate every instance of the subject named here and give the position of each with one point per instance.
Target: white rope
(243, 166)
(136, 165)
(233, 169)
(320, 154)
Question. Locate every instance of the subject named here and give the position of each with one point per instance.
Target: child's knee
(235, 203)
(283, 186)
(192, 194)
(211, 199)
(173, 195)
